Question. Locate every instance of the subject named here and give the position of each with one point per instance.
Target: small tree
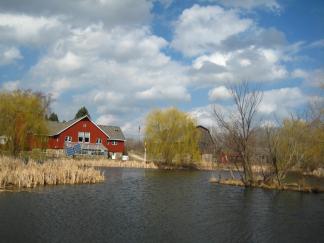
(22, 117)
(53, 117)
(240, 125)
(171, 137)
(81, 112)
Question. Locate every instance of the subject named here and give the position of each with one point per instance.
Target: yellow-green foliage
(171, 137)
(300, 143)
(315, 148)
(14, 173)
(21, 117)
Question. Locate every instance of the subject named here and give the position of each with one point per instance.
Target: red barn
(93, 138)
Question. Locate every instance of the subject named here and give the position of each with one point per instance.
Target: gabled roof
(113, 132)
(55, 128)
(205, 134)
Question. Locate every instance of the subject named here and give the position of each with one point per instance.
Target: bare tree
(272, 144)
(295, 143)
(240, 125)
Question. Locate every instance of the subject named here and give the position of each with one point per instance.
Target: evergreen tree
(53, 117)
(81, 112)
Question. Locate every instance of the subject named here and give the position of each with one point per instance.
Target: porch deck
(88, 148)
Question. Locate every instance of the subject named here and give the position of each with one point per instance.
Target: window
(80, 136)
(87, 137)
(108, 141)
(84, 137)
(98, 141)
(114, 142)
(68, 139)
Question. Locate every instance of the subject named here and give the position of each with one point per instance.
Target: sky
(123, 58)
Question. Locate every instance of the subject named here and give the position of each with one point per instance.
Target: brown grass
(15, 174)
(103, 162)
(301, 187)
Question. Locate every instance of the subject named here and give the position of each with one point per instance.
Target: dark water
(160, 206)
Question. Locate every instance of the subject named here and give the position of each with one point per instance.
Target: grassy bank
(103, 162)
(16, 174)
(298, 186)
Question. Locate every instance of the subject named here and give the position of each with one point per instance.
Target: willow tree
(171, 137)
(22, 116)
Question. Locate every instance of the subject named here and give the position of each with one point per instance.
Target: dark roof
(113, 132)
(55, 128)
(206, 142)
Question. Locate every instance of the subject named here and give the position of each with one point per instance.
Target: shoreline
(117, 164)
(17, 176)
(318, 173)
(284, 187)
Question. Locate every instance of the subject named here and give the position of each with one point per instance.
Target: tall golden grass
(15, 174)
(103, 162)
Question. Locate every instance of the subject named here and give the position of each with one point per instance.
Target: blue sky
(123, 58)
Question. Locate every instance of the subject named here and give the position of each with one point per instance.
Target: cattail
(14, 173)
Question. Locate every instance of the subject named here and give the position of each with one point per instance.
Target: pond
(135, 205)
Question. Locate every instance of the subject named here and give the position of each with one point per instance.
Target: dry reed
(301, 187)
(103, 162)
(15, 174)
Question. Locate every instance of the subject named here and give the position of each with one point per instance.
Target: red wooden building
(93, 138)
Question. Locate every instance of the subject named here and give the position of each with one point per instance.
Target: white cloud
(170, 92)
(117, 73)
(299, 73)
(24, 29)
(313, 78)
(107, 96)
(11, 85)
(69, 62)
(85, 12)
(252, 64)
(107, 119)
(217, 58)
(249, 4)
(276, 104)
(9, 55)
(219, 93)
(282, 102)
(317, 44)
(57, 86)
(203, 115)
(229, 48)
(103, 54)
(201, 29)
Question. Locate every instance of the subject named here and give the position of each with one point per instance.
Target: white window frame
(114, 143)
(98, 141)
(68, 139)
(84, 138)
